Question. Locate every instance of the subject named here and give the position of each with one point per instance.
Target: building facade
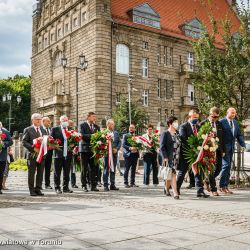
(143, 39)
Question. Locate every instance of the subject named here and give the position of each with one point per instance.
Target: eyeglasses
(215, 116)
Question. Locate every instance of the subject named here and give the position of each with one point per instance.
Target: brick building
(146, 39)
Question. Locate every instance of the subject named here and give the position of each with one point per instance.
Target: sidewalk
(138, 218)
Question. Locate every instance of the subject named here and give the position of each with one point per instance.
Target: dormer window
(145, 15)
(193, 28)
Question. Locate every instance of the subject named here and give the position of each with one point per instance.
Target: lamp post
(83, 66)
(130, 78)
(8, 98)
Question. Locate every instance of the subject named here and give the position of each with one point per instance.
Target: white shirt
(230, 125)
(39, 130)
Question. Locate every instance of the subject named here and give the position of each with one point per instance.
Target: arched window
(122, 59)
(58, 58)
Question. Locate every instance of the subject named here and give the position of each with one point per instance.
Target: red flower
(78, 158)
(59, 141)
(209, 168)
(3, 137)
(156, 131)
(204, 163)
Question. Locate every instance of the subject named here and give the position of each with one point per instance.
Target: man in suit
(87, 129)
(186, 130)
(231, 131)
(48, 160)
(213, 118)
(35, 170)
(74, 159)
(131, 156)
(116, 145)
(6, 141)
(63, 156)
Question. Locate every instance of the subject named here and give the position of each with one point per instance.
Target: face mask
(175, 125)
(65, 124)
(194, 121)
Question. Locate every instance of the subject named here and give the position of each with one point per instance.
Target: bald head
(231, 113)
(46, 122)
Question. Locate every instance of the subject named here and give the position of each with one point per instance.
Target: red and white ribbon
(145, 141)
(110, 156)
(43, 149)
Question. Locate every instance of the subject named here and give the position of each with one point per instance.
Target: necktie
(195, 130)
(47, 131)
(65, 144)
(232, 127)
(38, 132)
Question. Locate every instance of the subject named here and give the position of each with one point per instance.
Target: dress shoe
(33, 193)
(39, 193)
(113, 187)
(67, 191)
(95, 189)
(215, 193)
(134, 186)
(85, 189)
(58, 191)
(176, 197)
(203, 195)
(48, 187)
(106, 189)
(1, 192)
(74, 186)
(126, 186)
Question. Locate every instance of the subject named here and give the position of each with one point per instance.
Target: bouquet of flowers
(99, 145)
(53, 143)
(73, 137)
(201, 150)
(138, 142)
(155, 141)
(2, 138)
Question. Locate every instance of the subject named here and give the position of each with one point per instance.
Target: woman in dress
(170, 150)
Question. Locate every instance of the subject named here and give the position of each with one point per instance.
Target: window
(159, 54)
(52, 37)
(145, 67)
(40, 46)
(58, 58)
(191, 93)
(171, 51)
(145, 97)
(105, 8)
(122, 59)
(166, 114)
(84, 16)
(168, 89)
(159, 115)
(159, 88)
(145, 15)
(190, 61)
(46, 42)
(165, 55)
(172, 112)
(75, 22)
(145, 45)
(118, 98)
(193, 29)
(59, 32)
(66, 27)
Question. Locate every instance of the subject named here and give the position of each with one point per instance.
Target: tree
(121, 115)
(223, 73)
(17, 85)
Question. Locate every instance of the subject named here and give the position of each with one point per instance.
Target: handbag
(165, 172)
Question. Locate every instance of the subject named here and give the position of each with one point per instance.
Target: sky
(15, 37)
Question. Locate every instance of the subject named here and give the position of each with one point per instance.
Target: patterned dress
(177, 145)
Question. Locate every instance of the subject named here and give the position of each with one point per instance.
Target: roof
(175, 13)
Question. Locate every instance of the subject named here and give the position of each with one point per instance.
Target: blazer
(29, 134)
(167, 146)
(84, 129)
(7, 143)
(56, 133)
(219, 134)
(229, 137)
(117, 141)
(126, 151)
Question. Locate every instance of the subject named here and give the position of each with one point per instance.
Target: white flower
(206, 147)
(99, 142)
(217, 139)
(212, 140)
(203, 137)
(211, 149)
(216, 147)
(103, 136)
(214, 129)
(199, 148)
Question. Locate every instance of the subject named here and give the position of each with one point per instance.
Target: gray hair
(36, 116)
(109, 121)
(45, 118)
(62, 118)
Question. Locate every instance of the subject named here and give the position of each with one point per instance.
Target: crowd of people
(171, 152)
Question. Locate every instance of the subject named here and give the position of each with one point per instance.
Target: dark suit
(3, 154)
(106, 171)
(130, 160)
(61, 161)
(185, 132)
(29, 134)
(48, 161)
(167, 147)
(73, 165)
(229, 144)
(87, 161)
(219, 153)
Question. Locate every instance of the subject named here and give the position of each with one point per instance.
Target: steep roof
(175, 13)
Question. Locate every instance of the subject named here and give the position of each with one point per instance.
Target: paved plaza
(136, 218)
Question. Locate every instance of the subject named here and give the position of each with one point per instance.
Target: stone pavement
(136, 218)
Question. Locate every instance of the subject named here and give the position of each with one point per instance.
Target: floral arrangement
(137, 142)
(2, 138)
(201, 150)
(54, 143)
(155, 140)
(99, 145)
(73, 137)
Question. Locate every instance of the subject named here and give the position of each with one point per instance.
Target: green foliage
(121, 115)
(19, 164)
(223, 71)
(17, 85)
